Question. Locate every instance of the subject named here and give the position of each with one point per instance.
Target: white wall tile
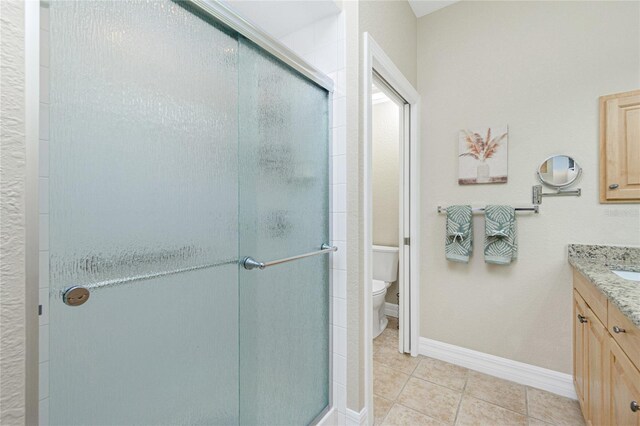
(305, 40)
(339, 312)
(44, 17)
(341, 83)
(43, 344)
(340, 340)
(43, 384)
(339, 146)
(43, 194)
(339, 169)
(44, 121)
(339, 283)
(340, 27)
(43, 162)
(327, 58)
(44, 48)
(44, 301)
(339, 111)
(44, 232)
(339, 258)
(44, 85)
(339, 232)
(44, 269)
(339, 195)
(340, 369)
(340, 397)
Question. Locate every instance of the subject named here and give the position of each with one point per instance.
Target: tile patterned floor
(425, 391)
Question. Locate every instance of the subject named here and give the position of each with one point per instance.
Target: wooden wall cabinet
(606, 376)
(620, 148)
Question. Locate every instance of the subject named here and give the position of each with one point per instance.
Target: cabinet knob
(617, 329)
(634, 406)
(582, 318)
(614, 186)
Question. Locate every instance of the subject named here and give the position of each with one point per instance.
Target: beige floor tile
(491, 389)
(442, 373)
(403, 416)
(387, 382)
(476, 412)
(552, 408)
(381, 407)
(536, 422)
(433, 400)
(390, 357)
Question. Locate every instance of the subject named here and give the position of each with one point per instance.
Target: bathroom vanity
(606, 333)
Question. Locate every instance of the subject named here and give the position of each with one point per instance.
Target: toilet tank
(385, 263)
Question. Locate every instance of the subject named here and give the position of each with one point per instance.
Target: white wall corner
(355, 418)
(519, 372)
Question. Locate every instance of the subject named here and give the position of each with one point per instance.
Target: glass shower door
(143, 213)
(284, 211)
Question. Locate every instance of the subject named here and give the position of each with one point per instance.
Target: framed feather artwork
(483, 155)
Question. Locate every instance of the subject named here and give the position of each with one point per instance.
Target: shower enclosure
(179, 147)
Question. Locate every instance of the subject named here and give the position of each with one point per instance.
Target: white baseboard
(356, 419)
(519, 372)
(391, 309)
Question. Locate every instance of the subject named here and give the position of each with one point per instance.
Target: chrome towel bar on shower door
(250, 263)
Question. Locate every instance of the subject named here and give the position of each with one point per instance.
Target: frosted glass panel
(144, 184)
(284, 310)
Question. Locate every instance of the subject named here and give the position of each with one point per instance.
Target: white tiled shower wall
(322, 45)
(43, 202)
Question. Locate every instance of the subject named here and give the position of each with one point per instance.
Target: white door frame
(376, 59)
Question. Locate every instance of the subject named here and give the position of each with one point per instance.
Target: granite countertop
(596, 262)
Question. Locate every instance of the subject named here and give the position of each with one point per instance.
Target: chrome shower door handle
(250, 263)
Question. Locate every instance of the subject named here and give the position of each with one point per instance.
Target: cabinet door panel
(624, 384)
(597, 363)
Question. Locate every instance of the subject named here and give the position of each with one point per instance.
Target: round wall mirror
(559, 171)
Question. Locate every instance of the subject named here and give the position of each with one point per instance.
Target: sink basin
(628, 275)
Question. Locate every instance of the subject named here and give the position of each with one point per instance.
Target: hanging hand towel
(501, 236)
(459, 241)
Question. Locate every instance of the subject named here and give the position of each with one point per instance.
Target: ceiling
(282, 17)
(424, 7)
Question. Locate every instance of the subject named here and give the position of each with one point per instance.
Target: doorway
(384, 79)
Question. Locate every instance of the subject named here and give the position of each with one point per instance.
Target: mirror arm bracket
(537, 194)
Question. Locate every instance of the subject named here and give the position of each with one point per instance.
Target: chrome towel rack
(250, 263)
(532, 209)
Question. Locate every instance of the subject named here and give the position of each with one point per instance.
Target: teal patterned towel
(459, 242)
(501, 235)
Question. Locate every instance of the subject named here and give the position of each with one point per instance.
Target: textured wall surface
(12, 231)
(538, 67)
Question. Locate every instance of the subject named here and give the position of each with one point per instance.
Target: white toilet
(385, 272)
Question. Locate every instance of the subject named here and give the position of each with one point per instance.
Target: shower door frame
(228, 18)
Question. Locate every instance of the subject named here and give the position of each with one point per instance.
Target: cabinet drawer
(596, 300)
(629, 339)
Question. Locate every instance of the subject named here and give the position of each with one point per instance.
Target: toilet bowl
(385, 272)
(380, 321)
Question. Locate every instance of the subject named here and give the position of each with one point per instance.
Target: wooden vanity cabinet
(606, 376)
